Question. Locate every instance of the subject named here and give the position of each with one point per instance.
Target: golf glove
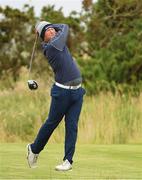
(32, 84)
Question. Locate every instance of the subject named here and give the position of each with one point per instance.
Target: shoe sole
(28, 154)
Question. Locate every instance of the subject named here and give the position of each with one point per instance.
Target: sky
(68, 5)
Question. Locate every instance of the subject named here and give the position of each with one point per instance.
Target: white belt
(67, 87)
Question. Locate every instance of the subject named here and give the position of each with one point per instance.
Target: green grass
(90, 162)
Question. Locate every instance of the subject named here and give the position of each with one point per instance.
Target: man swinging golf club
(67, 94)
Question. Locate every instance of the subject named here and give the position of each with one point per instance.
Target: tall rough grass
(111, 119)
(105, 118)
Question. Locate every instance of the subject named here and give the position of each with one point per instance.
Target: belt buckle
(70, 87)
(73, 87)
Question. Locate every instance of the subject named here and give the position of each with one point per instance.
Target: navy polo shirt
(59, 57)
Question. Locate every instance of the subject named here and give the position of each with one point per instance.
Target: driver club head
(32, 84)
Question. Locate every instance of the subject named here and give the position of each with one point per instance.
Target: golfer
(67, 94)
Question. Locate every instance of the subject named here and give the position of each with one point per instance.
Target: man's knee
(51, 123)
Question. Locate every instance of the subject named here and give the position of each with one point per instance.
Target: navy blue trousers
(65, 103)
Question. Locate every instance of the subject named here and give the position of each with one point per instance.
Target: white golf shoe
(65, 166)
(31, 157)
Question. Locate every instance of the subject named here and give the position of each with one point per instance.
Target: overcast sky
(68, 5)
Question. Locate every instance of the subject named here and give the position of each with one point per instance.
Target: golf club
(32, 84)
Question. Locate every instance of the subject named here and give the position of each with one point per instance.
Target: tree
(16, 37)
(113, 32)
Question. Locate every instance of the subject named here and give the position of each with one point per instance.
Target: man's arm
(59, 41)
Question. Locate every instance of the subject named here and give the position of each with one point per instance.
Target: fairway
(91, 162)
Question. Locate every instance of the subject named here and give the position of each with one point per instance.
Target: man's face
(49, 34)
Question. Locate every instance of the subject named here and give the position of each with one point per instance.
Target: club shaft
(33, 53)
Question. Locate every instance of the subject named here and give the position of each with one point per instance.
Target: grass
(105, 118)
(90, 162)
